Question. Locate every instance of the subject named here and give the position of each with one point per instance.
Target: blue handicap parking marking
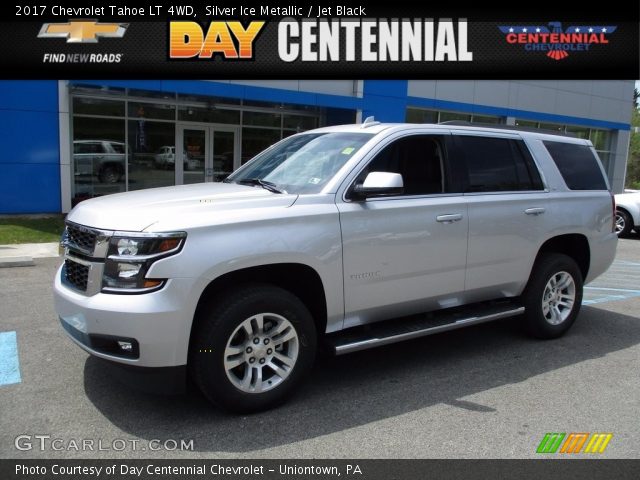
(620, 282)
(9, 361)
(593, 295)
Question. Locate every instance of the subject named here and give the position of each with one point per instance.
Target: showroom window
(152, 154)
(99, 157)
(124, 139)
(421, 115)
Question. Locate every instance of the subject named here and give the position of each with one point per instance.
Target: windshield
(302, 163)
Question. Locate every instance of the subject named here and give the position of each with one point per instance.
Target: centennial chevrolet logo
(555, 41)
(574, 442)
(83, 31)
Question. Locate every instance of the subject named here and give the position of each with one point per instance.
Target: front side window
(302, 163)
(418, 158)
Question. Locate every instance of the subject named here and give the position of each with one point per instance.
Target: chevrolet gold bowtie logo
(83, 31)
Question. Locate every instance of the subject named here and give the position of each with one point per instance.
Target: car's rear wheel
(553, 296)
(252, 348)
(624, 224)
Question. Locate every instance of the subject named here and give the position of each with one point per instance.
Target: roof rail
(369, 122)
(500, 126)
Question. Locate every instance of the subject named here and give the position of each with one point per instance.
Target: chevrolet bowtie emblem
(83, 31)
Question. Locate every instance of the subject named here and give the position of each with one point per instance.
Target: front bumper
(158, 324)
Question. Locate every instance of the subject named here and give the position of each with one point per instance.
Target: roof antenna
(369, 122)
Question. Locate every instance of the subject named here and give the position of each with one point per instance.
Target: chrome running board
(398, 330)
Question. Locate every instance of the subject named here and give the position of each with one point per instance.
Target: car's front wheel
(553, 296)
(109, 175)
(252, 348)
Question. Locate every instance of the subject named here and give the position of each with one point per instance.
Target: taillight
(613, 213)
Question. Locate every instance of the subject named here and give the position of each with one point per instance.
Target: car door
(507, 205)
(406, 253)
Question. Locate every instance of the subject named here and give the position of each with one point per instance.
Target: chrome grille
(84, 239)
(76, 274)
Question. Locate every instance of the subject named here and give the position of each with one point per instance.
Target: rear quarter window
(578, 165)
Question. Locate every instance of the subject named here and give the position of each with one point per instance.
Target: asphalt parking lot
(482, 392)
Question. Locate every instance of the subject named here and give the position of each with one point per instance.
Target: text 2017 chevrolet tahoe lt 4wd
(343, 236)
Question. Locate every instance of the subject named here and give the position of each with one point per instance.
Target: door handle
(449, 218)
(535, 211)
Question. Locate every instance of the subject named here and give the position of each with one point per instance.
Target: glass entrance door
(193, 149)
(206, 153)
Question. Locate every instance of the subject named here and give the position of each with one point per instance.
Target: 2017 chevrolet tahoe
(348, 237)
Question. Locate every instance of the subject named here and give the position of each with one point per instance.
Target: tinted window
(529, 176)
(578, 165)
(498, 164)
(87, 148)
(118, 147)
(419, 159)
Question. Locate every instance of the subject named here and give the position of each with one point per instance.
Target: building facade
(66, 141)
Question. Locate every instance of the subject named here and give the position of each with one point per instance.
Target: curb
(7, 262)
(29, 251)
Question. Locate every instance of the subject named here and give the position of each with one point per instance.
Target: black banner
(318, 40)
(293, 469)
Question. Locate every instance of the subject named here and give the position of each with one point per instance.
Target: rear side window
(118, 147)
(87, 148)
(498, 165)
(578, 165)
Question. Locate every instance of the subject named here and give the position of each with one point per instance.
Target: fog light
(125, 346)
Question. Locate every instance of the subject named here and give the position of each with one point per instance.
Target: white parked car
(166, 158)
(627, 212)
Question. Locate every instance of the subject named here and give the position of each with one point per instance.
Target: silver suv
(347, 237)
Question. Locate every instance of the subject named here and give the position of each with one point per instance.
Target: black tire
(109, 175)
(536, 321)
(219, 323)
(623, 219)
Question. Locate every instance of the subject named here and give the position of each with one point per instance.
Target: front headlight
(131, 255)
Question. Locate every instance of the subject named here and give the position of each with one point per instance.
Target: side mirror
(378, 184)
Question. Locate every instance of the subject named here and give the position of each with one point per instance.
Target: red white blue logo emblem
(557, 43)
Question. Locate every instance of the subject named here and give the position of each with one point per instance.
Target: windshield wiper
(263, 183)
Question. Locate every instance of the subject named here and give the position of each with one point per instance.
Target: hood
(140, 210)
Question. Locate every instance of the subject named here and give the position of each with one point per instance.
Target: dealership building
(66, 141)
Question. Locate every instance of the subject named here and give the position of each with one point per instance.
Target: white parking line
(620, 282)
